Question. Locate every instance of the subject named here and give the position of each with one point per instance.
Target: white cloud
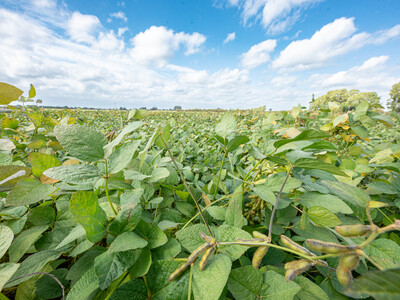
(119, 15)
(331, 40)
(276, 16)
(258, 54)
(230, 37)
(122, 30)
(82, 28)
(157, 44)
(370, 76)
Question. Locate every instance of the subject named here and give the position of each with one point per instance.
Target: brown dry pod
(353, 230)
(331, 248)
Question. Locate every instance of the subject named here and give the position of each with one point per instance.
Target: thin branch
(276, 205)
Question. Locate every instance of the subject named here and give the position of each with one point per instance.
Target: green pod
(259, 235)
(294, 246)
(344, 276)
(349, 262)
(331, 248)
(205, 257)
(192, 257)
(178, 272)
(290, 274)
(259, 255)
(208, 239)
(353, 230)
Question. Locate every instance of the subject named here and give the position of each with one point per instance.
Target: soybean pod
(294, 246)
(331, 248)
(353, 230)
(205, 257)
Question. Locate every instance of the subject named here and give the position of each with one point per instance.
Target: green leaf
(226, 233)
(167, 251)
(385, 252)
(48, 288)
(347, 192)
(315, 164)
(142, 265)
(40, 162)
(28, 191)
(323, 217)
(156, 237)
(331, 202)
(381, 285)
(24, 241)
(87, 211)
(234, 214)
(361, 131)
(88, 283)
(121, 157)
(209, 283)
(361, 110)
(9, 93)
(275, 182)
(132, 290)
(321, 146)
(159, 174)
(42, 215)
(127, 241)
(384, 119)
(5, 160)
(340, 119)
(10, 175)
(128, 217)
(166, 133)
(190, 236)
(305, 135)
(33, 263)
(81, 142)
(246, 283)
(138, 114)
(227, 125)
(6, 271)
(75, 174)
(278, 287)
(75, 233)
(6, 238)
(127, 129)
(84, 263)
(160, 287)
(234, 143)
(32, 91)
(109, 266)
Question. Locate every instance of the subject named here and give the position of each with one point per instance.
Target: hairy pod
(349, 262)
(205, 257)
(296, 267)
(344, 276)
(207, 238)
(178, 272)
(192, 257)
(259, 235)
(294, 246)
(353, 230)
(259, 255)
(331, 248)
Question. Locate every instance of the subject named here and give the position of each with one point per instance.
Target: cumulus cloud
(258, 54)
(333, 39)
(157, 44)
(119, 15)
(230, 37)
(276, 16)
(81, 28)
(371, 74)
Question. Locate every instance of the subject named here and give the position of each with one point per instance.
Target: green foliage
(394, 102)
(344, 99)
(111, 209)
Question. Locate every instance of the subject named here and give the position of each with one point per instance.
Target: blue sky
(198, 54)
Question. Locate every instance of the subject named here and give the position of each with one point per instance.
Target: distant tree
(153, 108)
(394, 101)
(346, 100)
(122, 108)
(143, 108)
(177, 107)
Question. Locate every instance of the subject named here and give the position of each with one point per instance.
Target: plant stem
(219, 175)
(276, 205)
(106, 188)
(372, 261)
(252, 169)
(186, 185)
